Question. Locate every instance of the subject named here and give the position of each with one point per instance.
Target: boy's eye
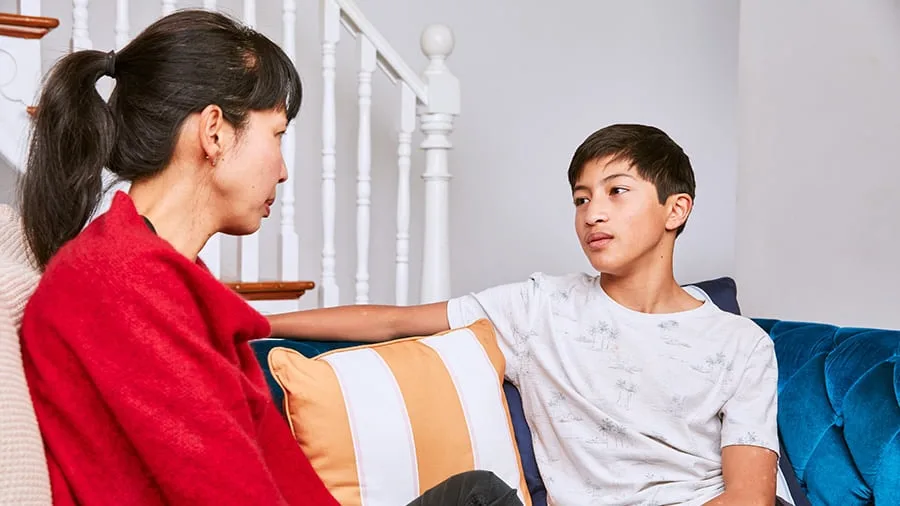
(618, 190)
(580, 200)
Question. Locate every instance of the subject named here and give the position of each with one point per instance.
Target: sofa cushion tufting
(839, 410)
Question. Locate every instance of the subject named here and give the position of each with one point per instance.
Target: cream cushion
(23, 467)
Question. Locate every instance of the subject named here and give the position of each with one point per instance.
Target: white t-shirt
(628, 407)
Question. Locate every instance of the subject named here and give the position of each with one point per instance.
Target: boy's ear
(680, 206)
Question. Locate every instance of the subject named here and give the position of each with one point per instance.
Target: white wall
(8, 178)
(8, 174)
(537, 78)
(819, 157)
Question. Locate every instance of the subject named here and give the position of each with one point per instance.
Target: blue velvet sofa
(839, 407)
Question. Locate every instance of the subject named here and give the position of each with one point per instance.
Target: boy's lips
(597, 240)
(269, 206)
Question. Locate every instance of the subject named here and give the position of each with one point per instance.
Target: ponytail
(174, 68)
(71, 141)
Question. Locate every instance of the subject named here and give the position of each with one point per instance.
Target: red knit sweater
(145, 386)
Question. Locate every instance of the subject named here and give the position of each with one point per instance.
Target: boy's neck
(649, 291)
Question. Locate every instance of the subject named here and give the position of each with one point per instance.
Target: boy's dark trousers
(472, 488)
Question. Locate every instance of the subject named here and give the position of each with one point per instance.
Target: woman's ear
(212, 123)
(680, 206)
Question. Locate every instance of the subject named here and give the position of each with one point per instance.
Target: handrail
(388, 58)
(271, 290)
(26, 27)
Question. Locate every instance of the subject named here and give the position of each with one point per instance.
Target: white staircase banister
(430, 102)
(388, 59)
(436, 122)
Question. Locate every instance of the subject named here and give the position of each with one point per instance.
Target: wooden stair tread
(271, 290)
(26, 27)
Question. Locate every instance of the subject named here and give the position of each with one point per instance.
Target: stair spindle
(404, 150)
(121, 24)
(331, 30)
(250, 13)
(364, 168)
(290, 242)
(80, 35)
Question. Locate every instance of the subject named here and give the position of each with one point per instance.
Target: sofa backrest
(23, 466)
(839, 410)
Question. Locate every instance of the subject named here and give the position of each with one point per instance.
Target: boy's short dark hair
(653, 154)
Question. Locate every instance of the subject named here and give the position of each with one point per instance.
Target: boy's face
(618, 218)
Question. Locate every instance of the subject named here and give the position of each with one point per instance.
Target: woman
(144, 384)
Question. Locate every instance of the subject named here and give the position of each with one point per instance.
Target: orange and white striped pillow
(383, 423)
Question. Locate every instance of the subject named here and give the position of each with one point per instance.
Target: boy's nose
(597, 218)
(596, 214)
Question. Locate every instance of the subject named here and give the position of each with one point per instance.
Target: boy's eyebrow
(580, 187)
(605, 180)
(618, 174)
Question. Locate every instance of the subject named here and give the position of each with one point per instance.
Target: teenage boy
(636, 392)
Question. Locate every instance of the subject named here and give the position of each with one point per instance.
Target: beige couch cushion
(23, 467)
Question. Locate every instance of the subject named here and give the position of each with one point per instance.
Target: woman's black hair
(177, 66)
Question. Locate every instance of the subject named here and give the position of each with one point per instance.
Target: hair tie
(110, 64)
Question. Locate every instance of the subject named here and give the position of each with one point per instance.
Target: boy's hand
(749, 473)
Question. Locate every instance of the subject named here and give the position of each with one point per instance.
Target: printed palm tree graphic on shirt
(600, 336)
(521, 350)
(562, 295)
(556, 399)
(749, 438)
(676, 408)
(561, 411)
(716, 363)
(627, 390)
(666, 330)
(608, 430)
(593, 492)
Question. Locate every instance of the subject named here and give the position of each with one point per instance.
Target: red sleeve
(148, 347)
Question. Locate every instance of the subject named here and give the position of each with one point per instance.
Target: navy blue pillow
(723, 293)
(262, 347)
(526, 447)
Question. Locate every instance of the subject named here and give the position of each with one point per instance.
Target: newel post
(436, 121)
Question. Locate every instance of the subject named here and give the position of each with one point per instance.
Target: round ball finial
(437, 41)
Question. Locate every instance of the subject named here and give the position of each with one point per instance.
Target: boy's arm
(750, 431)
(749, 473)
(363, 323)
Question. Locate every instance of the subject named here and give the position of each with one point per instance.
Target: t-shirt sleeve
(513, 310)
(749, 416)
